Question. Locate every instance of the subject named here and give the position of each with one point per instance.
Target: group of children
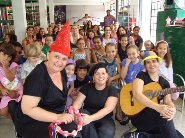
(122, 60)
(130, 65)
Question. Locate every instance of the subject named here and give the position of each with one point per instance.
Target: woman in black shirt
(99, 102)
(156, 120)
(45, 93)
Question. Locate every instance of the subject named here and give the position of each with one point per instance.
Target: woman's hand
(86, 119)
(66, 118)
(171, 113)
(166, 111)
(5, 92)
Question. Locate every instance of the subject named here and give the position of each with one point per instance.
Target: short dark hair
(16, 44)
(82, 64)
(12, 36)
(8, 49)
(98, 37)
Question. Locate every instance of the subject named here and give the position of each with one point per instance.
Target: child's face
(18, 52)
(122, 31)
(50, 29)
(81, 73)
(30, 31)
(162, 50)
(97, 43)
(110, 52)
(107, 31)
(49, 41)
(56, 29)
(70, 70)
(81, 32)
(148, 46)
(42, 32)
(132, 54)
(91, 35)
(36, 29)
(33, 60)
(74, 29)
(81, 45)
(136, 31)
(123, 42)
(95, 28)
(4, 58)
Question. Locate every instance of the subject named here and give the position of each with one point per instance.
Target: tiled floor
(7, 129)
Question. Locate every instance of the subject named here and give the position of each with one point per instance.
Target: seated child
(81, 70)
(33, 52)
(10, 87)
(49, 41)
(71, 77)
(42, 55)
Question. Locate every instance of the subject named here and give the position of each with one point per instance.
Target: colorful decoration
(54, 128)
(180, 22)
(62, 42)
(175, 20)
(168, 20)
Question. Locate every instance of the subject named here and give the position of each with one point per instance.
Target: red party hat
(62, 42)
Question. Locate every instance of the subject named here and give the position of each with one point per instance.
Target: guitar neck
(168, 91)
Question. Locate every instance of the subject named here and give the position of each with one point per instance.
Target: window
(156, 6)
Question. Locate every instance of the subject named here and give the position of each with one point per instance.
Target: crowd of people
(80, 67)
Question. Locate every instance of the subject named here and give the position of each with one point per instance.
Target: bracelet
(54, 128)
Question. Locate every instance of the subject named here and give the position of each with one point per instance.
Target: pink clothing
(14, 85)
(91, 42)
(43, 41)
(115, 37)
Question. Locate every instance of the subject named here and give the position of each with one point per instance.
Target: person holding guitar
(156, 120)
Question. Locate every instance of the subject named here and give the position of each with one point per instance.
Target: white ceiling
(79, 2)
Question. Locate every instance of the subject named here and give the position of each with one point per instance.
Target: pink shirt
(14, 85)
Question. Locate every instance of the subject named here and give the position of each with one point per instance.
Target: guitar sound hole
(149, 94)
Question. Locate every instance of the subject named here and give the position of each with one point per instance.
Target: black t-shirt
(146, 78)
(122, 55)
(39, 84)
(78, 83)
(138, 41)
(95, 99)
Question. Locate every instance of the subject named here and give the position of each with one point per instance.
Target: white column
(19, 17)
(134, 10)
(146, 13)
(51, 11)
(43, 14)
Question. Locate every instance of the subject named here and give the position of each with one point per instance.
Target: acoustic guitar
(130, 106)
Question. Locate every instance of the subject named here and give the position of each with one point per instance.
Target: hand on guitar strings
(167, 112)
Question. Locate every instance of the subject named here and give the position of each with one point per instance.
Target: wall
(79, 11)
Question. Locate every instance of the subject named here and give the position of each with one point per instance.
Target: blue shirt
(133, 70)
(21, 60)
